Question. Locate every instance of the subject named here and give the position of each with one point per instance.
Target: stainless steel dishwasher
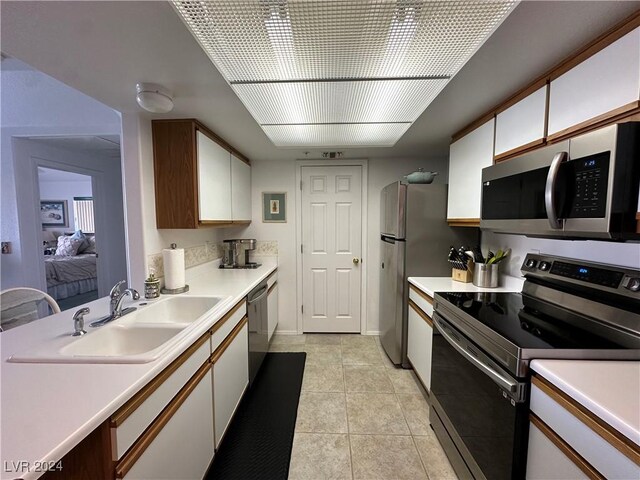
(258, 328)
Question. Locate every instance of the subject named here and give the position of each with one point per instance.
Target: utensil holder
(485, 276)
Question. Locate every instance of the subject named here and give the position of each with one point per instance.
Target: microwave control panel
(591, 175)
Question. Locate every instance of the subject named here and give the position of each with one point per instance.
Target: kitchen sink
(121, 341)
(139, 337)
(175, 310)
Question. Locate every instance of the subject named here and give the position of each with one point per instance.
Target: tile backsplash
(200, 254)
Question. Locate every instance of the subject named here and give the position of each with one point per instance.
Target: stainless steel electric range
(483, 343)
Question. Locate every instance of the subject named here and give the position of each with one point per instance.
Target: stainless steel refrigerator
(414, 242)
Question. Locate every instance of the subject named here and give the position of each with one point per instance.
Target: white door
(331, 248)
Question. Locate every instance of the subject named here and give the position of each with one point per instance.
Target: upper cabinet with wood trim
(240, 190)
(522, 125)
(604, 85)
(200, 180)
(467, 157)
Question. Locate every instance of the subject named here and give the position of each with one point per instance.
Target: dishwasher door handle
(254, 299)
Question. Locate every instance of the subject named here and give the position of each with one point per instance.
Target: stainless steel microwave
(585, 187)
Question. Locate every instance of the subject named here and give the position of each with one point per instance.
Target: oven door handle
(550, 188)
(505, 383)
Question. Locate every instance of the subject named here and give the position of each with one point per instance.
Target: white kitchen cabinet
(559, 414)
(420, 334)
(240, 190)
(199, 179)
(522, 123)
(545, 461)
(184, 446)
(129, 422)
(230, 377)
(420, 343)
(468, 156)
(272, 307)
(604, 82)
(214, 187)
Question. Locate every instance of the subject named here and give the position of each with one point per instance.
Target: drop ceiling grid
(251, 40)
(335, 102)
(256, 43)
(349, 135)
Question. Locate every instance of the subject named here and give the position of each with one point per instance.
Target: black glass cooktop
(512, 316)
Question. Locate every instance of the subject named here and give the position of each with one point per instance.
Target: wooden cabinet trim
(173, 151)
(540, 142)
(227, 316)
(138, 399)
(135, 452)
(420, 312)
(215, 356)
(596, 45)
(590, 49)
(272, 287)
(566, 449)
(421, 293)
(91, 458)
(220, 141)
(521, 95)
(463, 222)
(198, 125)
(621, 443)
(602, 120)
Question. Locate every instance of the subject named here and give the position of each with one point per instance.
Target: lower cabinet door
(184, 446)
(420, 343)
(230, 377)
(272, 305)
(546, 461)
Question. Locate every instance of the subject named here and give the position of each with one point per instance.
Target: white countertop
(47, 409)
(430, 285)
(609, 389)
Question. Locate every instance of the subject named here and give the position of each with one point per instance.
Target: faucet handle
(78, 322)
(115, 291)
(134, 294)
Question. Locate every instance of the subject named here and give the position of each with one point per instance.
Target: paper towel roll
(173, 260)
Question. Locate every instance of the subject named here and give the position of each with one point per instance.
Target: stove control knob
(633, 284)
(544, 266)
(531, 263)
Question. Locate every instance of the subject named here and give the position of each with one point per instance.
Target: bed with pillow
(72, 270)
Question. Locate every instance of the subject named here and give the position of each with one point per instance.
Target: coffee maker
(236, 253)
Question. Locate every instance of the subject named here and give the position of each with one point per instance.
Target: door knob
(356, 261)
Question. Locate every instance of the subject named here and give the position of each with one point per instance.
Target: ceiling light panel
(318, 62)
(346, 135)
(331, 102)
(263, 40)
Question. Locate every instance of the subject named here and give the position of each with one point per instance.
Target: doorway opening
(68, 236)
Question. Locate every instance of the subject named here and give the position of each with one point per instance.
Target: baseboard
(285, 332)
(372, 332)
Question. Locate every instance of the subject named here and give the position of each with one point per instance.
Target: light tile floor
(359, 416)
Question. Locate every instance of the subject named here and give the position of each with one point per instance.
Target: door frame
(364, 164)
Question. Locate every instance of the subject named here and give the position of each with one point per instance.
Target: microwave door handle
(506, 383)
(550, 187)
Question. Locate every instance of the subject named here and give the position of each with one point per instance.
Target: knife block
(464, 276)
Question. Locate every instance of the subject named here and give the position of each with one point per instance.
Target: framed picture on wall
(274, 207)
(54, 213)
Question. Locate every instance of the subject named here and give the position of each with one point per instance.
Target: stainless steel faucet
(116, 300)
(78, 322)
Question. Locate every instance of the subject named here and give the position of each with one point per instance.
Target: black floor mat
(258, 443)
